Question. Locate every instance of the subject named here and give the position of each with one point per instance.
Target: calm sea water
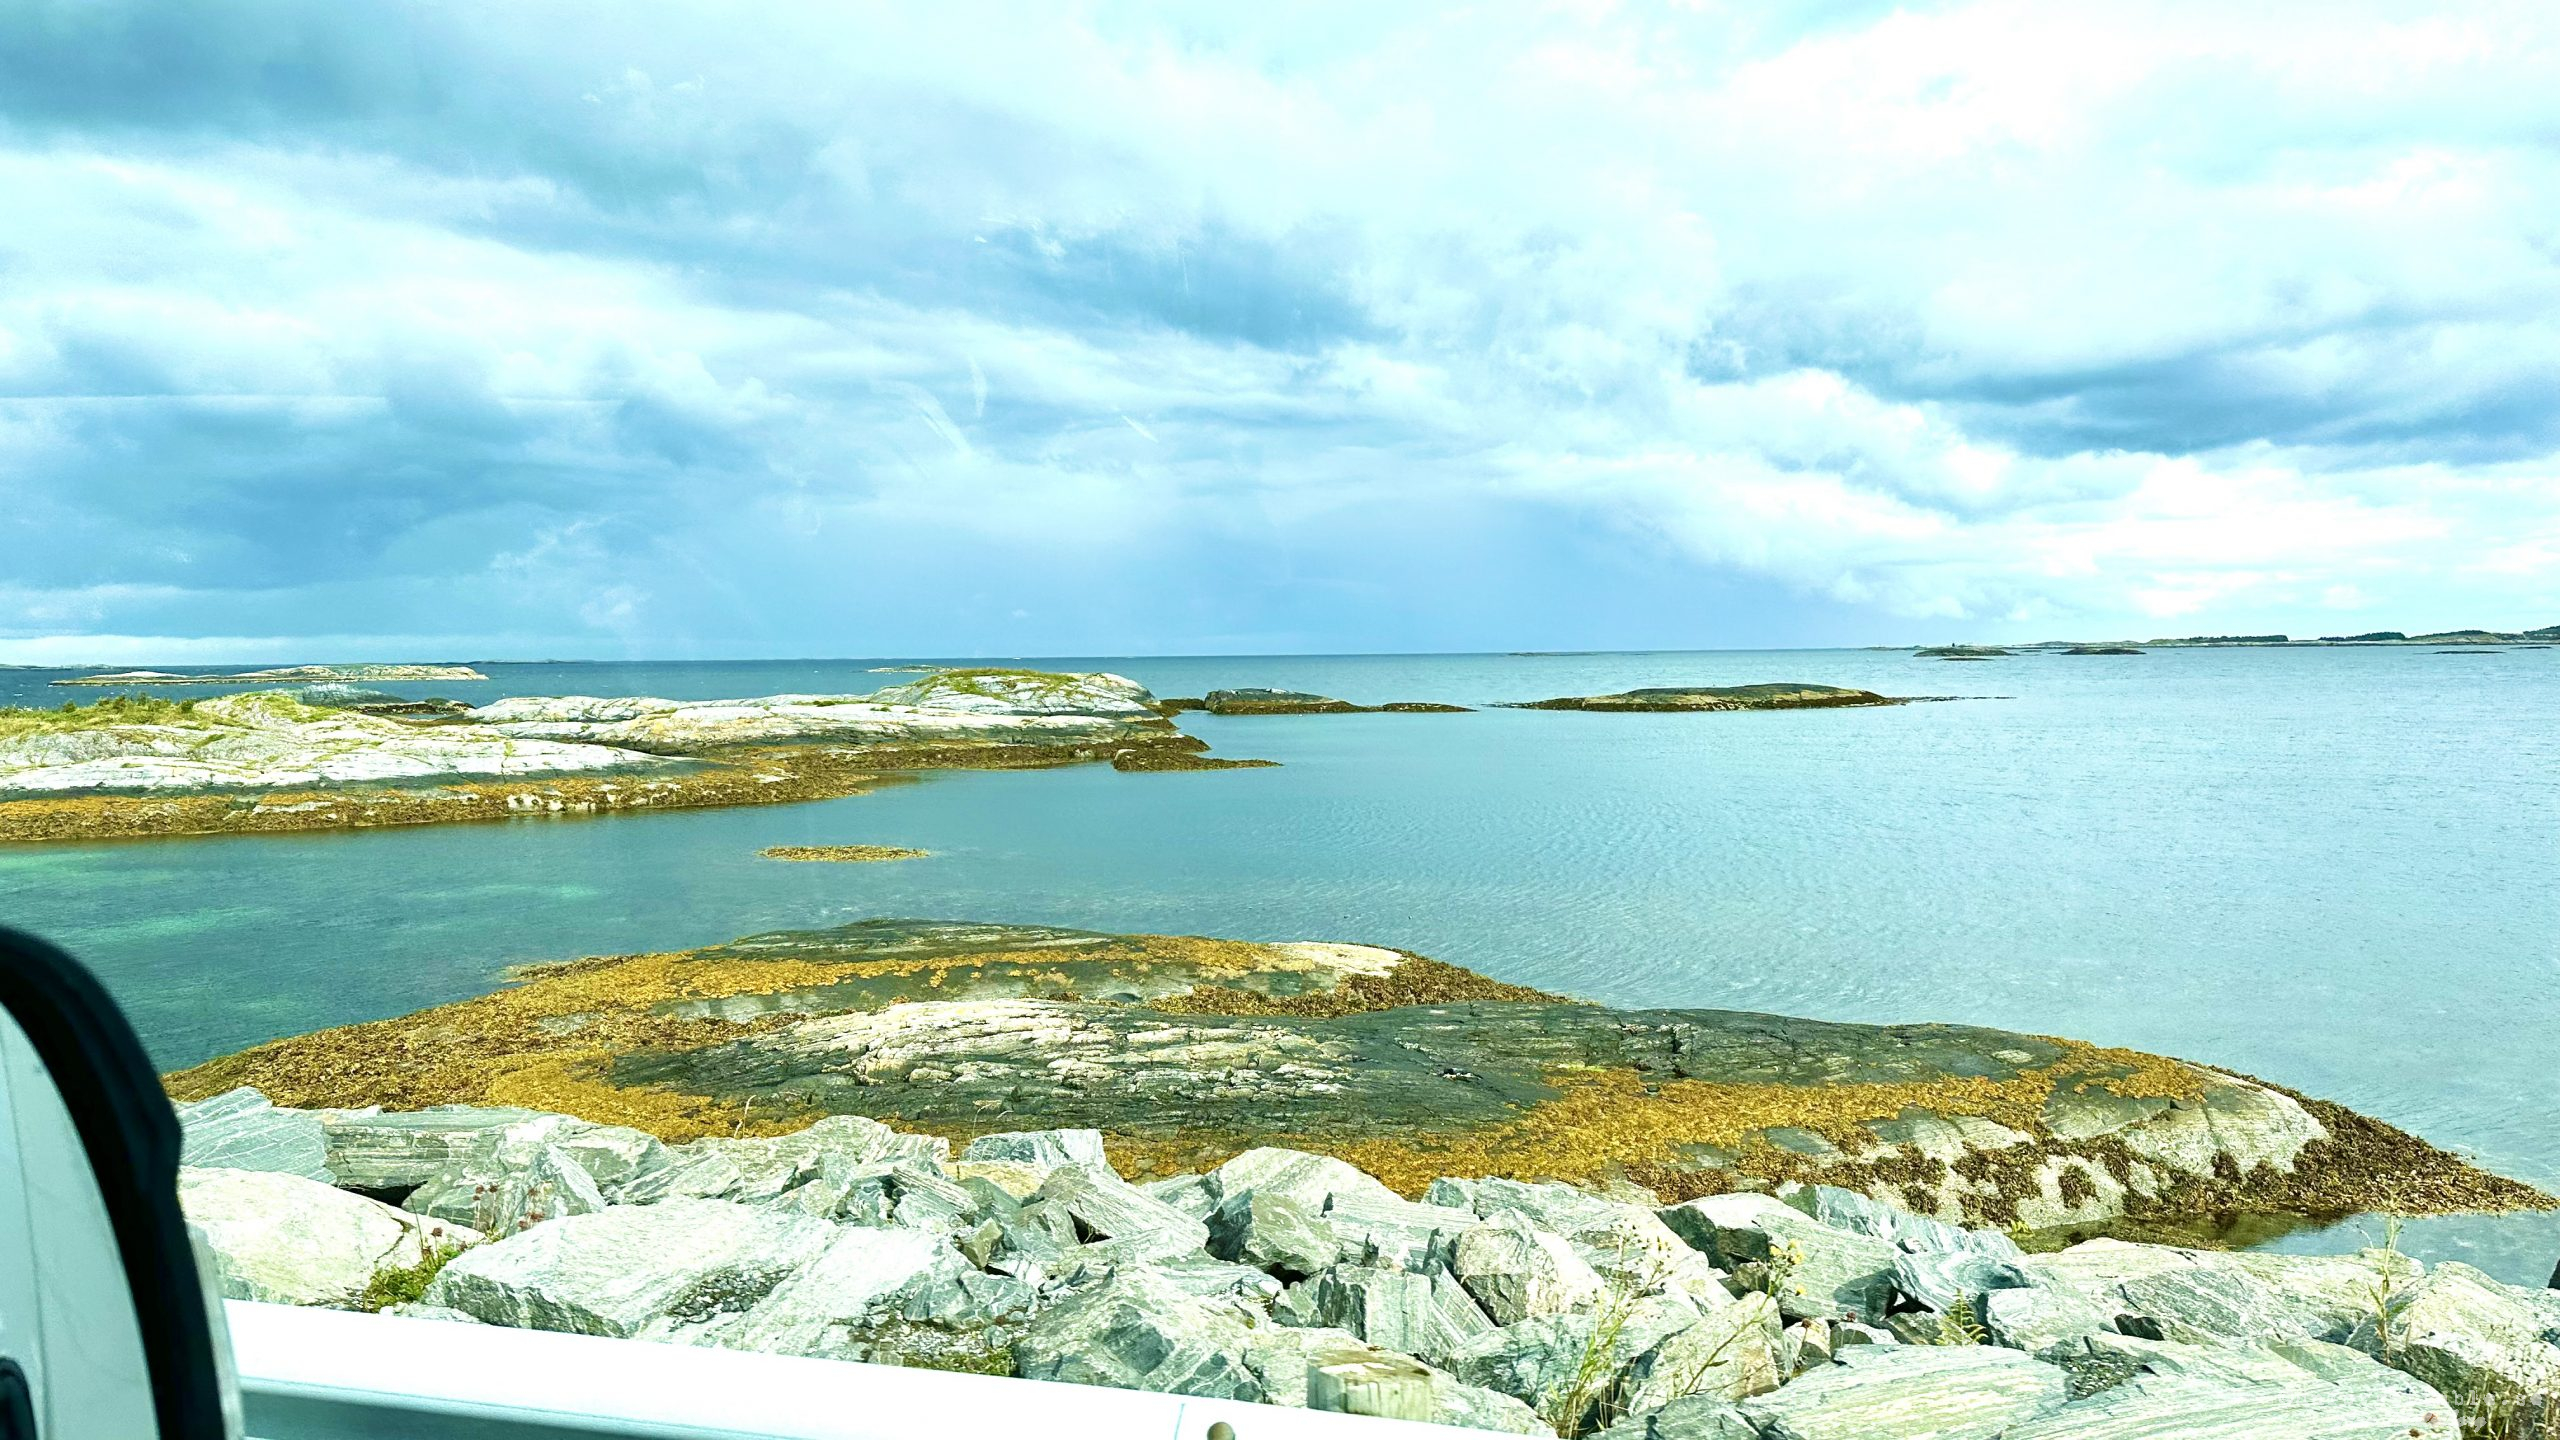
(2333, 868)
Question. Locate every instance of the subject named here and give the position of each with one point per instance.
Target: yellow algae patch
(1414, 980)
(842, 854)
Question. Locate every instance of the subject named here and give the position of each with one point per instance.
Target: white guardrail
(336, 1375)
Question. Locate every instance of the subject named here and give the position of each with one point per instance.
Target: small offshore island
(1778, 696)
(289, 674)
(1350, 1178)
(328, 757)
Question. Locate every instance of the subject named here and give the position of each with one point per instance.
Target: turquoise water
(2332, 868)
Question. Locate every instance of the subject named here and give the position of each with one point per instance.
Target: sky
(420, 330)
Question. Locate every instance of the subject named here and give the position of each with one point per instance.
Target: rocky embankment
(1784, 695)
(1185, 1050)
(270, 761)
(1294, 1279)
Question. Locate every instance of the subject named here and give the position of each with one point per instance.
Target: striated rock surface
(1872, 1391)
(632, 1269)
(241, 1130)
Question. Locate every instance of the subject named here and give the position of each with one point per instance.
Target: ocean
(2333, 868)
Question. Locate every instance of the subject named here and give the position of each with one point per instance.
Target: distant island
(288, 674)
(2546, 636)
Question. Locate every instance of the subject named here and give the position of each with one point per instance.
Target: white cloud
(1994, 314)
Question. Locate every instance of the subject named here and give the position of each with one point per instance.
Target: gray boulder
(1426, 1316)
(871, 1284)
(1809, 1268)
(883, 1192)
(2179, 1294)
(1515, 1272)
(2033, 1318)
(1193, 1195)
(1626, 1244)
(1352, 1378)
(1695, 1417)
(1907, 1392)
(1109, 1211)
(1313, 1181)
(1944, 1279)
(1862, 1215)
(403, 1149)
(240, 1130)
(1210, 1278)
(762, 1170)
(543, 1185)
(294, 1241)
(2311, 1391)
(1040, 1149)
(1279, 1354)
(1537, 1360)
(1134, 1331)
(2492, 1349)
(1730, 1352)
(1393, 1232)
(1272, 1232)
(632, 1270)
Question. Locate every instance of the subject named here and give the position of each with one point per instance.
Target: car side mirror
(106, 1328)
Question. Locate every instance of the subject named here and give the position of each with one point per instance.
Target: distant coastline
(2547, 636)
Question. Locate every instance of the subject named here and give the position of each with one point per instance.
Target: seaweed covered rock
(1195, 1056)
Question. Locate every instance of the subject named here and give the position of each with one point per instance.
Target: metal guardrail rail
(335, 1375)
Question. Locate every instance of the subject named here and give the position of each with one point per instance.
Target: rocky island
(267, 761)
(1298, 702)
(284, 675)
(1184, 1050)
(1355, 1179)
(1784, 695)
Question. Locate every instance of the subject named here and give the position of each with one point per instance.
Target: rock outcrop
(1185, 1052)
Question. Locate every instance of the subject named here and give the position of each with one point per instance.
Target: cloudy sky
(334, 331)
